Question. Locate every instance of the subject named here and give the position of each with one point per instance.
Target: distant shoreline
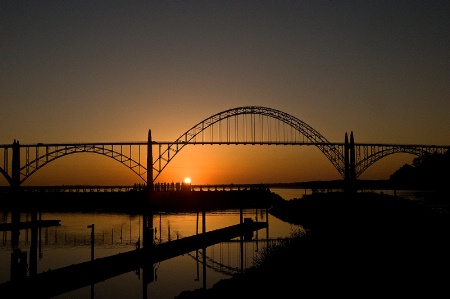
(138, 201)
(381, 184)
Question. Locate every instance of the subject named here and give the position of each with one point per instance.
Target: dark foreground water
(31, 252)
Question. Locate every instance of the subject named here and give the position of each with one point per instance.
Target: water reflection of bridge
(232, 264)
(66, 279)
(58, 281)
(49, 234)
(219, 257)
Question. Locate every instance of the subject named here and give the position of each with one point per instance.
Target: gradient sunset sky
(108, 71)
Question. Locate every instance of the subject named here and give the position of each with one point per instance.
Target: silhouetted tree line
(428, 172)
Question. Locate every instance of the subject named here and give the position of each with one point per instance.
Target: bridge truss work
(249, 125)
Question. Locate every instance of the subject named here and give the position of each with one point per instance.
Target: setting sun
(187, 180)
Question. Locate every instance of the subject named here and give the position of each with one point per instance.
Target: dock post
(92, 240)
(92, 258)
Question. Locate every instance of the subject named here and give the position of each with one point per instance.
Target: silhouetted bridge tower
(248, 125)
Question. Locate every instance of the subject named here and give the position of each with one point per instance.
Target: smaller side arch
(373, 153)
(57, 152)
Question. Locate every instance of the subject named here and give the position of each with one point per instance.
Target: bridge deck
(62, 280)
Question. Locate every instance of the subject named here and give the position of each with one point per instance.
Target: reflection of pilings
(197, 268)
(241, 246)
(148, 244)
(52, 236)
(196, 225)
(20, 225)
(15, 220)
(18, 265)
(256, 233)
(55, 282)
(40, 235)
(204, 267)
(203, 221)
(204, 248)
(92, 227)
(34, 244)
(267, 225)
(160, 228)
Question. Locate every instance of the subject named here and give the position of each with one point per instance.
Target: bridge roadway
(59, 281)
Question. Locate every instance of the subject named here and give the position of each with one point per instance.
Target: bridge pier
(15, 177)
(148, 232)
(350, 166)
(149, 162)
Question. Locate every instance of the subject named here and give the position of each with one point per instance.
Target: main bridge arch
(251, 125)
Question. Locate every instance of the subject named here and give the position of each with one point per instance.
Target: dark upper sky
(75, 71)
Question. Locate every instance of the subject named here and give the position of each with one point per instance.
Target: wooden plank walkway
(59, 281)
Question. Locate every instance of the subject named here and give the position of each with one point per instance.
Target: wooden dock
(59, 281)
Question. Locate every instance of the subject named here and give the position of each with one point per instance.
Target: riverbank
(356, 246)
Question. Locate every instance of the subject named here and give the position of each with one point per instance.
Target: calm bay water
(70, 243)
(290, 194)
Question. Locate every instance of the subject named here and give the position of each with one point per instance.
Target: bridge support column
(148, 232)
(352, 159)
(150, 187)
(349, 160)
(346, 160)
(149, 162)
(15, 178)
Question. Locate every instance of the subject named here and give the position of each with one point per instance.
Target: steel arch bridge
(254, 125)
